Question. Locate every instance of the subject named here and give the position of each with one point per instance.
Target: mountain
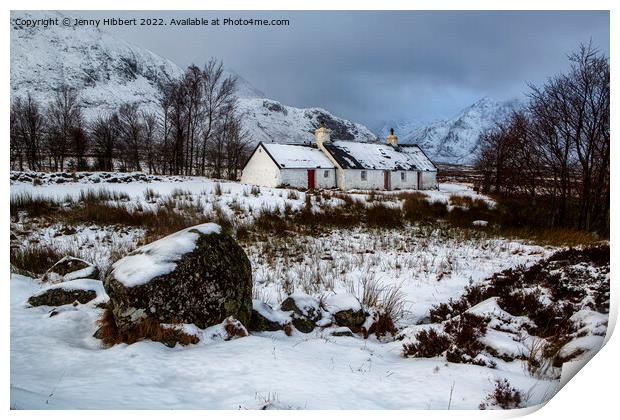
(108, 72)
(454, 140)
(105, 70)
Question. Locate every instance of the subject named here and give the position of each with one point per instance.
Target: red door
(311, 179)
(386, 180)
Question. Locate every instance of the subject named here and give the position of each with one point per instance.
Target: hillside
(454, 140)
(108, 72)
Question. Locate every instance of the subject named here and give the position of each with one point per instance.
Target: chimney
(392, 139)
(321, 135)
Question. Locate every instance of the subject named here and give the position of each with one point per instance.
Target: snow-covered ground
(56, 362)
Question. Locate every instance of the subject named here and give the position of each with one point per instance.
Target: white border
(591, 395)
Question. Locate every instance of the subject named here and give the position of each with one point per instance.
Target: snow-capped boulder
(305, 311)
(69, 292)
(342, 332)
(265, 318)
(198, 275)
(346, 309)
(70, 268)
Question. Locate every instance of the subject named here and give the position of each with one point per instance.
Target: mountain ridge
(108, 71)
(454, 140)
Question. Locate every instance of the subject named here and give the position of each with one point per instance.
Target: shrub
(380, 215)
(382, 324)
(416, 208)
(269, 221)
(429, 343)
(503, 396)
(464, 332)
(461, 200)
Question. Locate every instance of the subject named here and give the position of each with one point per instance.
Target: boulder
(198, 275)
(346, 309)
(342, 332)
(67, 293)
(305, 311)
(71, 268)
(265, 318)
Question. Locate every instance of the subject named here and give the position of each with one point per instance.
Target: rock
(199, 275)
(265, 318)
(342, 332)
(71, 268)
(306, 311)
(346, 309)
(80, 290)
(350, 318)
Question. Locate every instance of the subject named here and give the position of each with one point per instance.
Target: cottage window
(325, 174)
(403, 176)
(363, 175)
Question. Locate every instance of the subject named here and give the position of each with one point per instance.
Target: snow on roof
(296, 156)
(418, 156)
(355, 155)
(160, 257)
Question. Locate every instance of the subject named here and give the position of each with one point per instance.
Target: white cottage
(344, 164)
(275, 165)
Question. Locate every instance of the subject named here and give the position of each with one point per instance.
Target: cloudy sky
(376, 66)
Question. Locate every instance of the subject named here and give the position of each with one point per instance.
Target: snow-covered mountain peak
(454, 140)
(108, 72)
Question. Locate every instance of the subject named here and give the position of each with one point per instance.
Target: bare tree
(27, 131)
(218, 98)
(131, 135)
(63, 115)
(559, 148)
(104, 132)
(150, 126)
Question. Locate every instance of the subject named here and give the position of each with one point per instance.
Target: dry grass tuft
(148, 329)
(35, 259)
(234, 329)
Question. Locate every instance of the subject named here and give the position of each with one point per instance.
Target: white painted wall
(298, 178)
(261, 170)
(410, 182)
(323, 181)
(352, 179)
(429, 180)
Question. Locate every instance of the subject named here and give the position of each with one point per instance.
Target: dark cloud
(376, 66)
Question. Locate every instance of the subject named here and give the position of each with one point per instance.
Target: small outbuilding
(298, 166)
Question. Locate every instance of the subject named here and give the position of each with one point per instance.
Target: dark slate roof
(356, 155)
